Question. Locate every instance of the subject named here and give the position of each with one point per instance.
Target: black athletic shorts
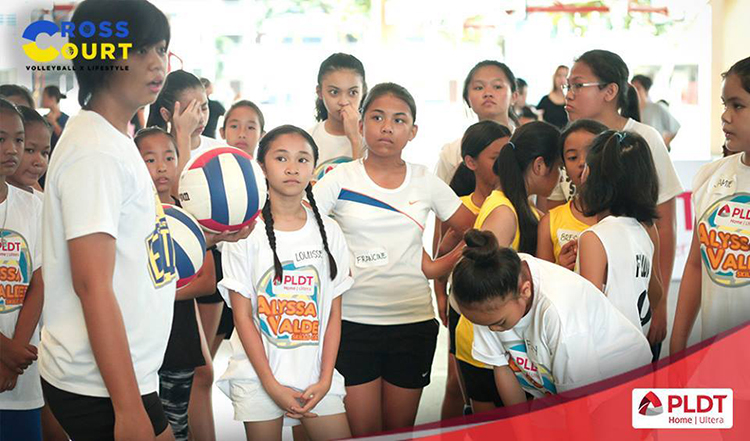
(399, 354)
(480, 383)
(87, 418)
(453, 317)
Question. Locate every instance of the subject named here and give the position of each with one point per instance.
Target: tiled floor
(429, 408)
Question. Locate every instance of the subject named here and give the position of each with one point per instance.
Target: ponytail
(631, 108)
(533, 140)
(175, 83)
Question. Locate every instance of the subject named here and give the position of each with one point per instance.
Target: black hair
(250, 104)
(526, 112)
(54, 92)
(263, 147)
(609, 68)
(147, 25)
(9, 90)
(486, 271)
(145, 132)
(9, 107)
(521, 84)
(530, 141)
(463, 182)
(622, 177)
(337, 61)
(587, 125)
(644, 81)
(30, 116)
(205, 81)
(742, 70)
(394, 89)
(480, 135)
(508, 75)
(175, 83)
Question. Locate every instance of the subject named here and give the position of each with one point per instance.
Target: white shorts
(252, 403)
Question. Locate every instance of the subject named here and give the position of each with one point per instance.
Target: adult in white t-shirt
(540, 325)
(107, 259)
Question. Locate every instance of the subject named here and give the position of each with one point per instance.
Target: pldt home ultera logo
(70, 51)
(683, 408)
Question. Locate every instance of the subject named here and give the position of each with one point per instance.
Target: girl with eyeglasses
(598, 89)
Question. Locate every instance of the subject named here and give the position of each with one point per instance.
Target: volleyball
(223, 188)
(189, 243)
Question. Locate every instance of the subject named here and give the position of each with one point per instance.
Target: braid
(331, 260)
(268, 220)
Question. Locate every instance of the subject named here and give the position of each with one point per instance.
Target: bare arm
(656, 298)
(593, 259)
(502, 223)
(204, 283)
(666, 228)
(689, 298)
(508, 388)
(544, 247)
(31, 310)
(92, 260)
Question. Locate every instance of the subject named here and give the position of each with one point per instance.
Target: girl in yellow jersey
(527, 165)
(480, 147)
(558, 231)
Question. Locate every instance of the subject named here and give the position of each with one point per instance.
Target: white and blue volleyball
(326, 166)
(223, 188)
(189, 243)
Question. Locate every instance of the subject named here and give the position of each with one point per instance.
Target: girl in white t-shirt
(717, 272)
(617, 254)
(544, 329)
(340, 90)
(243, 127)
(598, 89)
(489, 91)
(37, 145)
(284, 284)
(382, 202)
(21, 289)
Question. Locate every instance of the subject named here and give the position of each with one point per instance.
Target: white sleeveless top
(629, 252)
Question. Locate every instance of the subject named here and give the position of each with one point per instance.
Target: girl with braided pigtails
(284, 284)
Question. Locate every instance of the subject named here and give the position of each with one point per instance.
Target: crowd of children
(553, 250)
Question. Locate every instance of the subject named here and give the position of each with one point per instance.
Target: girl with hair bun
(537, 323)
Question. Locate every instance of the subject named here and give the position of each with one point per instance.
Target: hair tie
(510, 143)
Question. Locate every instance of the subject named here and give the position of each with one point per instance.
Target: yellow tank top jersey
(564, 227)
(465, 329)
(470, 204)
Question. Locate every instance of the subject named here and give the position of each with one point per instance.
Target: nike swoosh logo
(412, 202)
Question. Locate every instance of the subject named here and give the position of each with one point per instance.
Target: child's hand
(313, 394)
(8, 378)
(658, 330)
(288, 399)
(228, 236)
(568, 255)
(17, 356)
(188, 120)
(350, 117)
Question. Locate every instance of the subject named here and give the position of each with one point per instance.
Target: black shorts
(399, 354)
(480, 383)
(453, 317)
(93, 418)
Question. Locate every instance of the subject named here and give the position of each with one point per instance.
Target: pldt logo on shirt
(682, 408)
(87, 29)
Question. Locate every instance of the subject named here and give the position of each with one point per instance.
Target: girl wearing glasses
(598, 89)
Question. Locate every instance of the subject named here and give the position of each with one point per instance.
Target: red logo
(725, 211)
(653, 400)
